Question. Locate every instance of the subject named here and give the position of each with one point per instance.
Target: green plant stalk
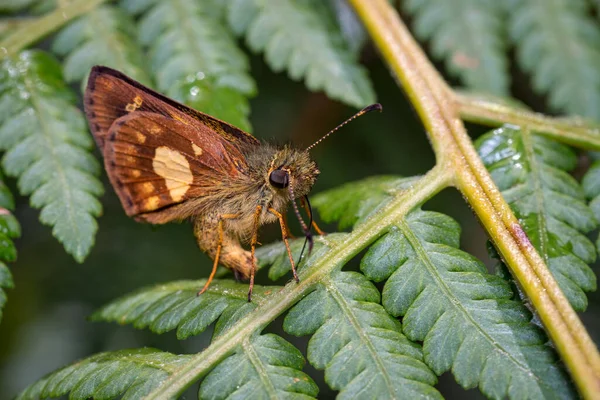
(440, 114)
(40, 27)
(572, 131)
(274, 305)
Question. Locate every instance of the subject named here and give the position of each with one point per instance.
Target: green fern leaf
(302, 37)
(104, 36)
(531, 173)
(266, 367)
(358, 344)
(469, 36)
(10, 6)
(465, 317)
(591, 187)
(130, 373)
(195, 59)
(9, 230)
(47, 148)
(176, 305)
(6, 282)
(558, 44)
(354, 202)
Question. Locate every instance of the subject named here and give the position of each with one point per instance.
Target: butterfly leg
(219, 247)
(314, 224)
(284, 236)
(289, 233)
(253, 242)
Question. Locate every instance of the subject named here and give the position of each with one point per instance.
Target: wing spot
(147, 187)
(141, 138)
(137, 103)
(151, 203)
(155, 129)
(197, 149)
(136, 173)
(175, 169)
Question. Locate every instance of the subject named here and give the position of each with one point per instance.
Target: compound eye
(279, 178)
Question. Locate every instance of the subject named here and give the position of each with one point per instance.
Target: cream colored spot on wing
(175, 169)
(141, 138)
(197, 149)
(154, 129)
(137, 103)
(148, 187)
(136, 173)
(151, 203)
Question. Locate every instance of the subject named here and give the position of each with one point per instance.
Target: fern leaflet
(103, 36)
(195, 59)
(47, 148)
(267, 366)
(175, 305)
(591, 187)
(531, 173)
(130, 373)
(264, 365)
(357, 343)
(302, 37)
(474, 49)
(9, 230)
(465, 317)
(558, 43)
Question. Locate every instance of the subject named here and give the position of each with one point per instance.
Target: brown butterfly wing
(156, 164)
(111, 95)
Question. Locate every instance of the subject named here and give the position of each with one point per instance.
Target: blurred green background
(45, 325)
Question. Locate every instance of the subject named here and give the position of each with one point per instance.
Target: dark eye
(279, 178)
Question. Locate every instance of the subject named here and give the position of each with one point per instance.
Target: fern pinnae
(9, 230)
(465, 317)
(104, 36)
(531, 172)
(130, 373)
(302, 38)
(50, 150)
(266, 366)
(557, 42)
(357, 343)
(475, 49)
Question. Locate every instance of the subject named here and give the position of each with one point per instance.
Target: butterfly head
(292, 173)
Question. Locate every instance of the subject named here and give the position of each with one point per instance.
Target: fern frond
(302, 38)
(469, 35)
(9, 230)
(465, 317)
(195, 59)
(127, 373)
(530, 171)
(360, 347)
(558, 44)
(6, 282)
(47, 147)
(104, 36)
(176, 305)
(266, 366)
(591, 187)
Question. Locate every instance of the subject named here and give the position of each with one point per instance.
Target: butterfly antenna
(365, 110)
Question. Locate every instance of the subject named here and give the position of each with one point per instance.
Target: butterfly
(169, 162)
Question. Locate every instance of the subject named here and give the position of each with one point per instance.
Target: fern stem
(440, 114)
(37, 29)
(572, 131)
(274, 305)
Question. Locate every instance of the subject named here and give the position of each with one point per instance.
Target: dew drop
(200, 75)
(194, 90)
